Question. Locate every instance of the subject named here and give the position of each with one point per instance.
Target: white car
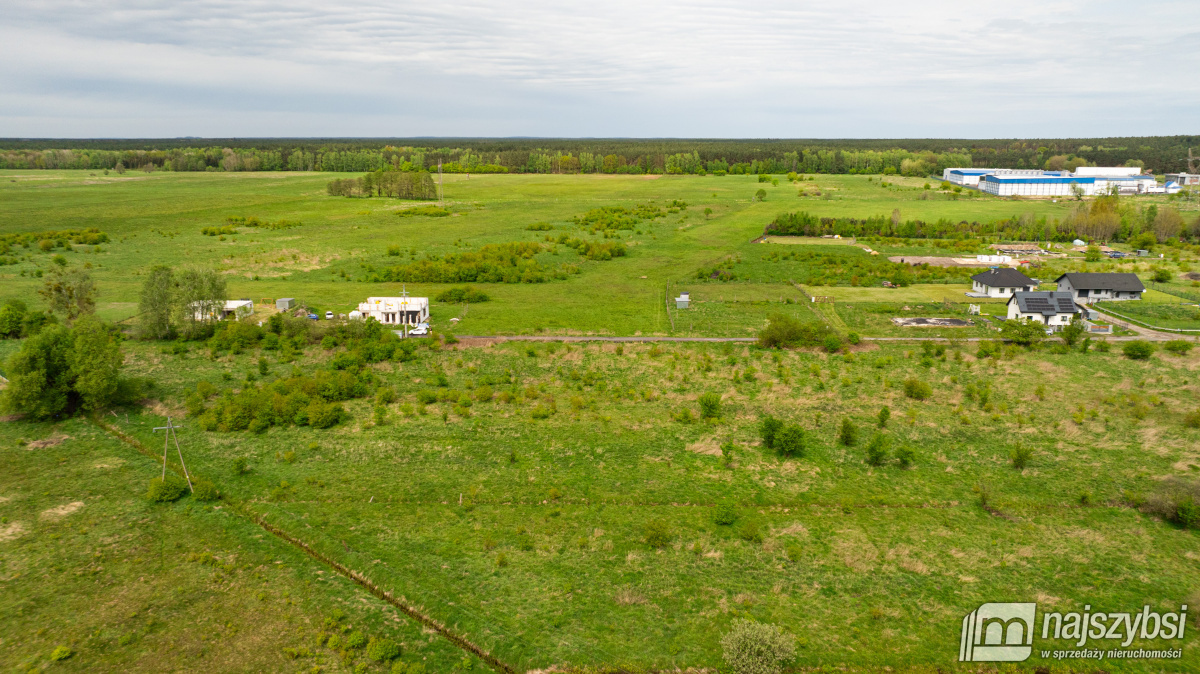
(329, 315)
(420, 330)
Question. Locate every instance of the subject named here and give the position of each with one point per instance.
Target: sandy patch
(59, 512)
(856, 551)
(705, 446)
(793, 529)
(48, 442)
(7, 533)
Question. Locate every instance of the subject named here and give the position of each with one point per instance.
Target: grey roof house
(1053, 308)
(1001, 282)
(1098, 287)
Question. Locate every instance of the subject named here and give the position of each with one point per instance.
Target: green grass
(88, 563)
(892, 559)
(424, 505)
(156, 219)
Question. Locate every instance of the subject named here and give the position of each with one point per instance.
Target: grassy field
(157, 219)
(515, 509)
(868, 565)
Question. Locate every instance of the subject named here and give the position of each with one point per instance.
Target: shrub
(382, 650)
(61, 653)
(783, 330)
(794, 552)
(1178, 346)
(460, 295)
(884, 415)
(657, 533)
(768, 429)
(725, 513)
(751, 647)
(877, 450)
(917, 389)
(750, 531)
(356, 640)
(1020, 457)
(427, 397)
(684, 416)
(325, 415)
(791, 441)
(239, 466)
(164, 491)
(1103, 346)
(1138, 349)
(853, 338)
(906, 455)
(710, 405)
(1192, 419)
(501, 560)
(1176, 501)
(848, 434)
(832, 343)
(205, 491)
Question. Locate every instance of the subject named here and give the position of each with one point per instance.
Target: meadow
(581, 505)
(158, 218)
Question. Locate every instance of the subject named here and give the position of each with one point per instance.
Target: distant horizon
(795, 139)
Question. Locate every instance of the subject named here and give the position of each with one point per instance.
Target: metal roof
(1103, 281)
(1039, 179)
(1047, 303)
(1003, 278)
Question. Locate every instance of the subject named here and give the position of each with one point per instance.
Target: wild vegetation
(808, 500)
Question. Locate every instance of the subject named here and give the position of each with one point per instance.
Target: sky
(617, 68)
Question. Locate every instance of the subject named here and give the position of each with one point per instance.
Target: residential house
(1054, 309)
(231, 309)
(1001, 282)
(1099, 287)
(395, 310)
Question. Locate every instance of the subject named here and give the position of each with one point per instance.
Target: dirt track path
(480, 340)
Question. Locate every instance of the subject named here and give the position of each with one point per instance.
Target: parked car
(420, 330)
(314, 317)
(329, 315)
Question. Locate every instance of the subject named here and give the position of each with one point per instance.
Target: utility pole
(168, 436)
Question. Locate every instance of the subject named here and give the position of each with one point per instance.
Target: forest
(914, 157)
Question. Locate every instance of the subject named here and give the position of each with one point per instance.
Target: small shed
(681, 302)
(285, 303)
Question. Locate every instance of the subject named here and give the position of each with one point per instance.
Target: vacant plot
(932, 322)
(555, 504)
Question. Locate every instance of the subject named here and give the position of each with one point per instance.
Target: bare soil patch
(59, 512)
(921, 322)
(48, 442)
(11, 531)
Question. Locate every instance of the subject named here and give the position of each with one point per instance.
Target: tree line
(1102, 219)
(386, 183)
(1156, 153)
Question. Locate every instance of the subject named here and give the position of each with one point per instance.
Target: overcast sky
(793, 69)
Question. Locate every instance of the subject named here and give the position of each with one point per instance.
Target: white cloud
(778, 69)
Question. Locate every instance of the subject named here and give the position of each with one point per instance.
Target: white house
(1052, 308)
(1184, 178)
(1001, 282)
(1098, 287)
(395, 310)
(235, 309)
